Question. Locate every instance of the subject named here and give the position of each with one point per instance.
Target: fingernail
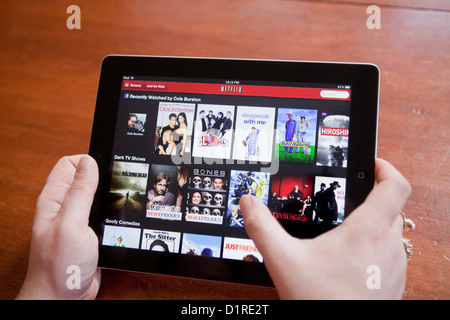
(84, 166)
(245, 200)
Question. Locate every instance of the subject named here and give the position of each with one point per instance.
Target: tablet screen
(185, 150)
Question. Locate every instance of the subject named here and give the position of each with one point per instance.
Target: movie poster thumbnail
(174, 128)
(121, 237)
(241, 183)
(333, 140)
(206, 195)
(213, 131)
(240, 249)
(254, 134)
(292, 198)
(128, 189)
(161, 241)
(296, 135)
(329, 200)
(201, 245)
(164, 192)
(136, 124)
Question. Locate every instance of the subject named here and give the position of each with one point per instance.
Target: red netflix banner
(243, 90)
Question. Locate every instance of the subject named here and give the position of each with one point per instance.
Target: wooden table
(48, 84)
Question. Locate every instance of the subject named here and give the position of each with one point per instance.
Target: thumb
(95, 285)
(265, 231)
(77, 203)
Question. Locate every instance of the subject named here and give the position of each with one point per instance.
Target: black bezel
(364, 79)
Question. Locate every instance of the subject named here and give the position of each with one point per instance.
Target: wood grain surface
(48, 83)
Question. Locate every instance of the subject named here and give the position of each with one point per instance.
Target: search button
(334, 94)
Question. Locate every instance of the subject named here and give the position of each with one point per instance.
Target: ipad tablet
(178, 141)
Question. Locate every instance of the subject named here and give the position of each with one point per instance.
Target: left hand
(61, 236)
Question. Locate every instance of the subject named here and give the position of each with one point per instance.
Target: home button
(361, 175)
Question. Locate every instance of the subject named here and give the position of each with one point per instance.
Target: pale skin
(61, 236)
(167, 139)
(182, 130)
(330, 266)
(334, 265)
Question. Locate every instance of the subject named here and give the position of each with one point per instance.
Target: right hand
(334, 265)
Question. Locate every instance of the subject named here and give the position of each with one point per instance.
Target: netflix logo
(231, 89)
